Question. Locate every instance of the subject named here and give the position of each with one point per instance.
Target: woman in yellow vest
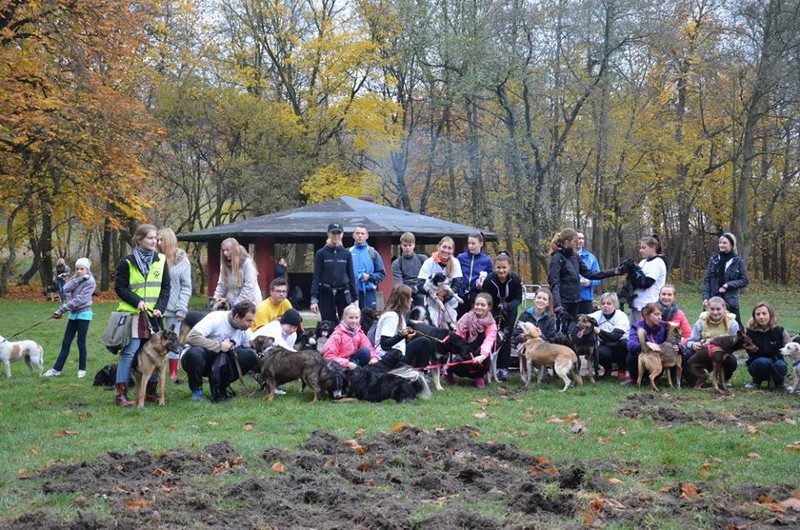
(142, 283)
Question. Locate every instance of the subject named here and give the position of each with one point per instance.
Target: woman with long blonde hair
(180, 275)
(238, 275)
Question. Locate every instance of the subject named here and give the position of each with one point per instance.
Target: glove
(56, 316)
(86, 277)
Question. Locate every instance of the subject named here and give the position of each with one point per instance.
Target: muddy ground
(407, 478)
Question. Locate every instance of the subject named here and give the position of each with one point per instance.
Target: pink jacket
(490, 335)
(683, 322)
(342, 343)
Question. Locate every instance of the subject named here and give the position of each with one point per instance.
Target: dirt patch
(673, 409)
(404, 479)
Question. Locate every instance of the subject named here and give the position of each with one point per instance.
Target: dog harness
(712, 348)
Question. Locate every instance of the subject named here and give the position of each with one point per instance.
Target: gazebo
(308, 224)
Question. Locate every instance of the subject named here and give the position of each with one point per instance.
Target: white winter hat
(83, 263)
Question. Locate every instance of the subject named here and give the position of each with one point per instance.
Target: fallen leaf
(329, 462)
(751, 429)
(67, 433)
(158, 472)
(542, 460)
(364, 467)
(588, 518)
(277, 467)
(35, 451)
(615, 480)
(705, 469)
(248, 426)
(577, 428)
(665, 489)
(481, 415)
(355, 446)
(669, 437)
(753, 455)
(360, 432)
(604, 440)
(597, 504)
(148, 431)
(213, 423)
(622, 430)
(715, 459)
(791, 503)
(688, 491)
(550, 470)
(794, 447)
(136, 504)
(791, 421)
(399, 426)
(612, 503)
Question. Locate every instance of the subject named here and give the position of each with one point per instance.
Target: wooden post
(265, 262)
(212, 264)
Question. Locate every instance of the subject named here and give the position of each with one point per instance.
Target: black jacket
(566, 268)
(333, 269)
(506, 297)
(735, 277)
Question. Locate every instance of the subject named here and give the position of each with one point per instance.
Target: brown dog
(655, 362)
(153, 358)
(584, 340)
(712, 356)
(279, 365)
(536, 351)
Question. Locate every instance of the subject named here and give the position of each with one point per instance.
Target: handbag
(118, 332)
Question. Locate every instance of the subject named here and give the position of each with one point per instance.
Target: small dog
(333, 380)
(584, 342)
(152, 359)
(712, 356)
(29, 350)
(51, 291)
(439, 293)
(322, 333)
(792, 354)
(279, 365)
(536, 351)
(446, 344)
(627, 291)
(655, 362)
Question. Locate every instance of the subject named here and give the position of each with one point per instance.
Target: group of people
(154, 284)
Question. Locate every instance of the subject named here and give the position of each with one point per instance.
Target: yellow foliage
(332, 181)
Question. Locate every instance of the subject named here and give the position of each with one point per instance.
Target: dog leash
(235, 356)
(30, 327)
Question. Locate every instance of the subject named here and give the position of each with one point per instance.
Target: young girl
(476, 266)
(143, 286)
(415, 352)
(348, 345)
(655, 333)
(480, 330)
(654, 267)
(715, 322)
(670, 312)
(505, 288)
(566, 269)
(767, 363)
(81, 287)
(238, 276)
(542, 314)
(180, 274)
(443, 261)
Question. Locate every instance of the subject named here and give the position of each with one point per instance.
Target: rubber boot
(173, 370)
(122, 395)
(150, 391)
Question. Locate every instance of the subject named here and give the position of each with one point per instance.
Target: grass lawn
(742, 439)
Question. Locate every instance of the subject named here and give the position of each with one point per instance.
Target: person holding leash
(726, 275)
(767, 363)
(81, 288)
(477, 266)
(612, 334)
(238, 275)
(389, 332)
(715, 322)
(505, 288)
(143, 285)
(479, 328)
(180, 274)
(333, 285)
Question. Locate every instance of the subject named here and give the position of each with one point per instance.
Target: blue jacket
(590, 260)
(471, 267)
(367, 260)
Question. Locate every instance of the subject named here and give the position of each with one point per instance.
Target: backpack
(118, 331)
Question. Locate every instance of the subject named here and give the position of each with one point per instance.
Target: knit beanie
(292, 317)
(83, 263)
(730, 237)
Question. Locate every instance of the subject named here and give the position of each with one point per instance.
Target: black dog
(447, 345)
(627, 291)
(333, 379)
(584, 342)
(107, 377)
(388, 378)
(321, 333)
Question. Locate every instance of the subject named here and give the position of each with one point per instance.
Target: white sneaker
(279, 391)
(81, 374)
(51, 373)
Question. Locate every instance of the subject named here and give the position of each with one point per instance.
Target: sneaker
(51, 373)
(628, 381)
(621, 376)
(502, 374)
(480, 383)
(81, 374)
(728, 384)
(449, 379)
(279, 391)
(197, 395)
(751, 385)
(787, 387)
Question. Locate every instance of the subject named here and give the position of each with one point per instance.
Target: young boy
(405, 269)
(275, 305)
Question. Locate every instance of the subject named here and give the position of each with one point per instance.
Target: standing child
(81, 287)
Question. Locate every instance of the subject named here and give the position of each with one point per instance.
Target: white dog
(442, 314)
(24, 349)
(792, 354)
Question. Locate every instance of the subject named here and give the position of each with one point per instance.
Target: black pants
(197, 362)
(610, 353)
(331, 307)
(469, 369)
(418, 352)
(585, 307)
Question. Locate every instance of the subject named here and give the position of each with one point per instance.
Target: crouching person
(348, 345)
(216, 343)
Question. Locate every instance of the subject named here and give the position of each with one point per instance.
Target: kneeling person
(215, 344)
(282, 331)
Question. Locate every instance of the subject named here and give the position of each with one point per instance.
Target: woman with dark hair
(238, 275)
(505, 288)
(480, 330)
(654, 275)
(416, 352)
(726, 274)
(767, 363)
(655, 330)
(143, 285)
(542, 315)
(566, 269)
(476, 266)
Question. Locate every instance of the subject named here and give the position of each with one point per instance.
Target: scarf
(724, 257)
(668, 313)
(143, 259)
(472, 326)
(446, 265)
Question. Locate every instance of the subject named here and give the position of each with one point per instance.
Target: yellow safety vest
(148, 289)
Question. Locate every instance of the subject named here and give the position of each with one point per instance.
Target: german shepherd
(584, 342)
(536, 351)
(712, 356)
(152, 359)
